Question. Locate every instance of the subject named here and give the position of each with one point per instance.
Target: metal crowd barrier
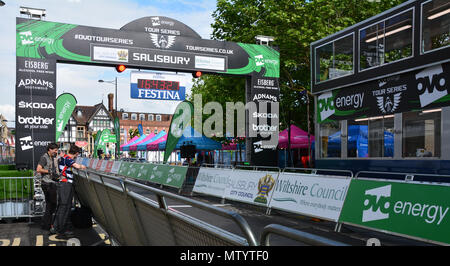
(418, 177)
(132, 219)
(297, 235)
(20, 197)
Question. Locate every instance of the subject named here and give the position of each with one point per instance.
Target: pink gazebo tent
(153, 146)
(299, 138)
(133, 147)
(129, 142)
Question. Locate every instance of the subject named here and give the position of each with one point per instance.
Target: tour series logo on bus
(426, 88)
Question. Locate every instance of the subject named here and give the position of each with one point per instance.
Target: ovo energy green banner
(418, 210)
(65, 104)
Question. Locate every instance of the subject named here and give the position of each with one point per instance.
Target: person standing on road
(65, 191)
(47, 170)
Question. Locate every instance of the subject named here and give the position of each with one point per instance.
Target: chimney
(111, 102)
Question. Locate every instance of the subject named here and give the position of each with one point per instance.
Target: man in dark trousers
(65, 191)
(47, 170)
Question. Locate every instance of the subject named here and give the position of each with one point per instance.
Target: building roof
(87, 112)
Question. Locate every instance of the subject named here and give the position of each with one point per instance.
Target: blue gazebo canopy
(192, 137)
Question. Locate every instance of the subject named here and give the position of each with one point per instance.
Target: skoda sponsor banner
(421, 89)
(211, 181)
(413, 209)
(318, 196)
(157, 86)
(254, 187)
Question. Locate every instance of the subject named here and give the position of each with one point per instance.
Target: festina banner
(421, 89)
(65, 104)
(158, 86)
(180, 121)
(318, 196)
(414, 209)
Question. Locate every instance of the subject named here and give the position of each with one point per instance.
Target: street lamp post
(115, 108)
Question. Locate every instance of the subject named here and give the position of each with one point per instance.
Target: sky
(82, 81)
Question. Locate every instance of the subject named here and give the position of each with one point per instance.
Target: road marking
(39, 240)
(103, 236)
(53, 238)
(16, 242)
(5, 242)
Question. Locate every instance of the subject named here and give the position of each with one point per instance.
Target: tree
(295, 24)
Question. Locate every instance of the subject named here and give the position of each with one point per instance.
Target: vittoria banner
(425, 88)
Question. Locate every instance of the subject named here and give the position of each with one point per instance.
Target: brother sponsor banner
(157, 86)
(317, 196)
(425, 88)
(254, 187)
(413, 209)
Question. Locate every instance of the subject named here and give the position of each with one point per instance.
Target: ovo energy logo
(26, 37)
(325, 105)
(376, 204)
(259, 60)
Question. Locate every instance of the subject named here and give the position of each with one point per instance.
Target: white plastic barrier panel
(311, 195)
(103, 166)
(253, 187)
(116, 166)
(212, 181)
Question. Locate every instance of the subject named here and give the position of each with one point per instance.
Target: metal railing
(419, 177)
(20, 197)
(133, 219)
(297, 235)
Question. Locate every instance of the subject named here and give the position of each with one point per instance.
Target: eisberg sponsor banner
(254, 187)
(317, 196)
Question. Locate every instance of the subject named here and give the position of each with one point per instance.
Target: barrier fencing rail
(242, 183)
(20, 197)
(133, 219)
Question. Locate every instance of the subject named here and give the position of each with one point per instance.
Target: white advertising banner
(254, 187)
(212, 181)
(317, 196)
(116, 167)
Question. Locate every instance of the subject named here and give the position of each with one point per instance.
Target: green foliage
(295, 24)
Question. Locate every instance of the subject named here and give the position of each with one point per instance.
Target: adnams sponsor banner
(254, 187)
(317, 196)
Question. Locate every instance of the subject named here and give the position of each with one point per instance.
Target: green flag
(180, 120)
(117, 132)
(65, 104)
(99, 143)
